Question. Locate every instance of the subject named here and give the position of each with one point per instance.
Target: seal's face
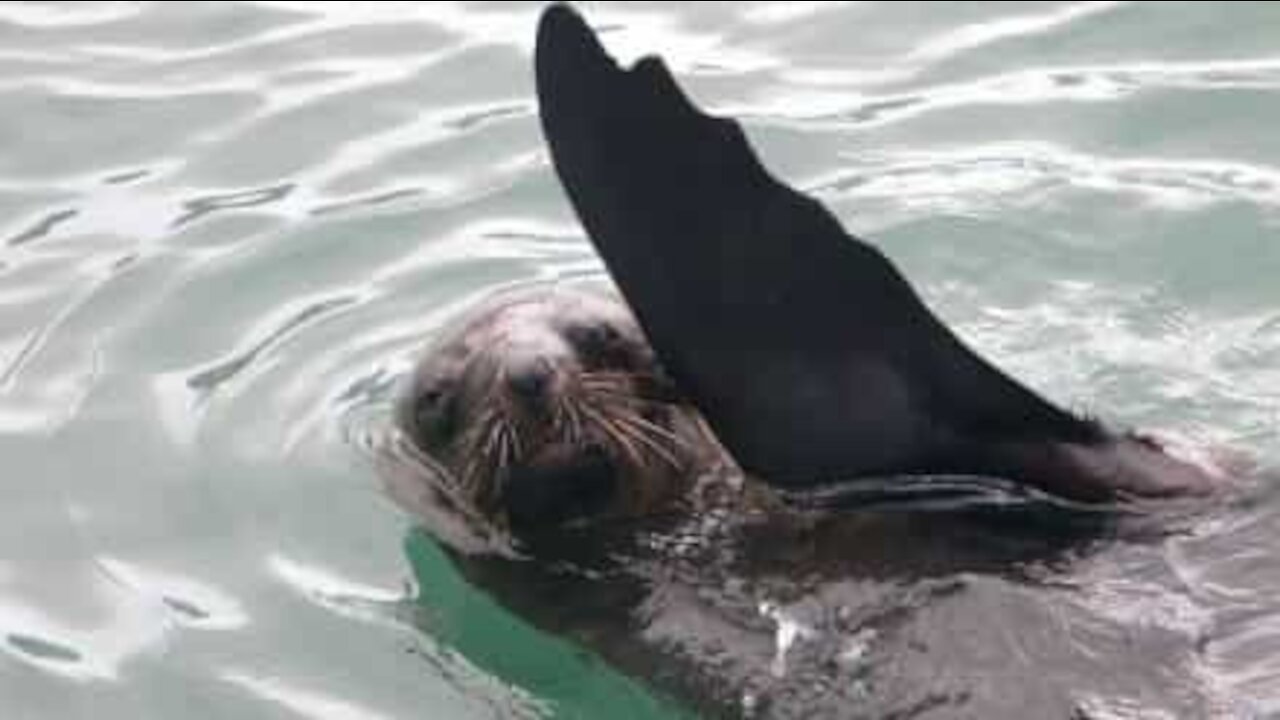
(550, 407)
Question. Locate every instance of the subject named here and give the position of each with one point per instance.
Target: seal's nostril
(531, 381)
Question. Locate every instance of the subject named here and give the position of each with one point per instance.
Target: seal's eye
(598, 343)
(587, 337)
(433, 410)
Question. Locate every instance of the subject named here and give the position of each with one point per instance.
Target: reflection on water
(226, 227)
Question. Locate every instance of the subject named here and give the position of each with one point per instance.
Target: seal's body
(812, 360)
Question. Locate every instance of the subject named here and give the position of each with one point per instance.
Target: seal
(546, 406)
(749, 311)
(809, 354)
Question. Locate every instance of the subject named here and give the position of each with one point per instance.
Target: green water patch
(569, 679)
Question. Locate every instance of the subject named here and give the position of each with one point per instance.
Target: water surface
(226, 227)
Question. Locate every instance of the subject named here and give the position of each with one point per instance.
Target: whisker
(656, 429)
(497, 460)
(630, 395)
(575, 422)
(621, 377)
(641, 434)
(514, 447)
(603, 421)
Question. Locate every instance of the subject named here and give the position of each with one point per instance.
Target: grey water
(225, 228)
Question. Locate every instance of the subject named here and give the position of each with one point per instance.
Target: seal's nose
(531, 380)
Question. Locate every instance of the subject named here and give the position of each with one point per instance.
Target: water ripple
(197, 208)
(230, 226)
(208, 380)
(1027, 86)
(1007, 170)
(973, 36)
(42, 227)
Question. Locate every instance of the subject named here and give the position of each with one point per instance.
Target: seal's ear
(809, 354)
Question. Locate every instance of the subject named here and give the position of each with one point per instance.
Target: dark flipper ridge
(809, 353)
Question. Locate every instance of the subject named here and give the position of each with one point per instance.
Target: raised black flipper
(809, 353)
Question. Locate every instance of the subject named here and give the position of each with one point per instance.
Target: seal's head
(549, 407)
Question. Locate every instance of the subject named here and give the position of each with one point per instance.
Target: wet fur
(607, 396)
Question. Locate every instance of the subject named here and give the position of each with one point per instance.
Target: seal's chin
(560, 486)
